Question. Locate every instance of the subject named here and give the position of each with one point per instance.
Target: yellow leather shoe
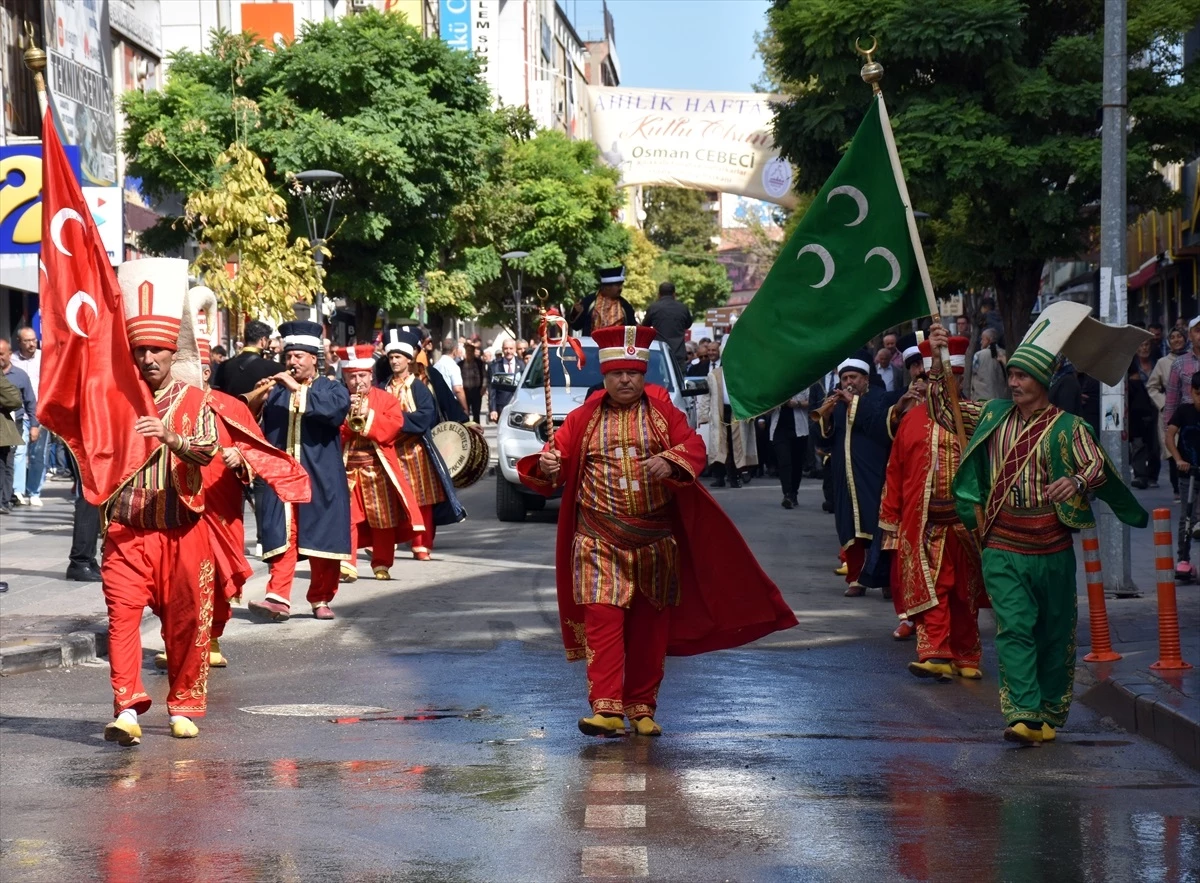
(349, 573)
(966, 671)
(160, 661)
(382, 573)
(1023, 734)
(1048, 734)
(645, 726)
(939, 671)
(841, 570)
(602, 725)
(123, 732)
(184, 729)
(216, 659)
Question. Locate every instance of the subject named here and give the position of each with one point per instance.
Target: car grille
(541, 430)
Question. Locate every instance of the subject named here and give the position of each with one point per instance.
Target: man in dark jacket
(239, 375)
(671, 319)
(506, 363)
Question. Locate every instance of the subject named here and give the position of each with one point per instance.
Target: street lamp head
(318, 176)
(514, 255)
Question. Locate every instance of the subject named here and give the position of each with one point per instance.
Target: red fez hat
(958, 353)
(624, 347)
(360, 357)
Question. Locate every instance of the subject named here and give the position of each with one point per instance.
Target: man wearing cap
(605, 308)
(1023, 485)
(854, 420)
(940, 583)
(419, 460)
(156, 552)
(383, 508)
(647, 564)
(303, 415)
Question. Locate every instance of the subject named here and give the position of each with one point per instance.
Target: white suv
(522, 428)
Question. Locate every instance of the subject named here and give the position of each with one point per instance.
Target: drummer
(419, 459)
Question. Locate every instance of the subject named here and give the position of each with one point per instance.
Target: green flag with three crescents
(848, 272)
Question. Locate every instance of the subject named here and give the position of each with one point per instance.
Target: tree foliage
(241, 218)
(641, 269)
(399, 115)
(996, 108)
(543, 194)
(679, 222)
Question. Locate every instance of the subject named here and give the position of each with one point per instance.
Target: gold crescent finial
(543, 295)
(872, 71)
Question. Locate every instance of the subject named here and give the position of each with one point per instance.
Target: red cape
(384, 423)
(278, 468)
(726, 599)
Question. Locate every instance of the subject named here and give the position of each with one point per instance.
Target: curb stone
(72, 649)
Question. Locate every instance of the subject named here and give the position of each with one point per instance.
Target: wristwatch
(1079, 483)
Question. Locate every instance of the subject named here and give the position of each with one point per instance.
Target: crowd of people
(938, 475)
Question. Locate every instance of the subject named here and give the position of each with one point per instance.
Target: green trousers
(1033, 600)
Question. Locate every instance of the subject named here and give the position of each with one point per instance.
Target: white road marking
(615, 816)
(618, 782)
(615, 861)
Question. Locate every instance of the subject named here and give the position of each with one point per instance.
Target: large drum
(465, 452)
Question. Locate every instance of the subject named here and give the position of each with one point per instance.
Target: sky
(679, 44)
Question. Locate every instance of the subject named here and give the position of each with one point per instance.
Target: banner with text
(698, 140)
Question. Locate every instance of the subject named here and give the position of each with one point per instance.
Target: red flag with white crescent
(91, 392)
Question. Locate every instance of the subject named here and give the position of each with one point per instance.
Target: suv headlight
(524, 420)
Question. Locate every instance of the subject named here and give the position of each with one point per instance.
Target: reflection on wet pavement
(468, 777)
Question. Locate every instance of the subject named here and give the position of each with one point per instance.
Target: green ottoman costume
(1000, 490)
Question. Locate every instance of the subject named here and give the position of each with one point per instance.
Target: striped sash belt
(627, 531)
(1028, 531)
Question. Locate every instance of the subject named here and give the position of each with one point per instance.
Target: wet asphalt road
(448, 750)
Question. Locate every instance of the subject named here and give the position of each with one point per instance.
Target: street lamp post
(314, 187)
(516, 256)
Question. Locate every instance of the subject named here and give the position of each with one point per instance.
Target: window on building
(22, 116)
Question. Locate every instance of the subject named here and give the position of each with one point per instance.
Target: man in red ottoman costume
(647, 563)
(383, 507)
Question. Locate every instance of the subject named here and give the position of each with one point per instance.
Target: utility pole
(1114, 536)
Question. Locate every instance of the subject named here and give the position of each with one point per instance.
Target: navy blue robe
(324, 529)
(870, 446)
(422, 421)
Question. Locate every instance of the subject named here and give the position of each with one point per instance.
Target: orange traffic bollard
(1169, 652)
(1102, 650)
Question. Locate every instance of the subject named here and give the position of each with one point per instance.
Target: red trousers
(322, 585)
(382, 541)
(855, 556)
(423, 542)
(172, 573)
(627, 649)
(951, 630)
(222, 613)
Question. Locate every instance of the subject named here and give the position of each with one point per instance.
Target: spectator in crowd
(989, 379)
(219, 355)
(989, 317)
(1156, 386)
(1143, 417)
(671, 319)
(31, 460)
(447, 366)
(1158, 347)
(474, 378)
(26, 419)
(888, 374)
(508, 365)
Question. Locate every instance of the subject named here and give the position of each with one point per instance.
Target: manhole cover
(314, 710)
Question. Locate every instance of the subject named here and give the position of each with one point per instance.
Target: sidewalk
(1162, 706)
(46, 622)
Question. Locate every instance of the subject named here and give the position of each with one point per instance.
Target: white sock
(175, 718)
(129, 714)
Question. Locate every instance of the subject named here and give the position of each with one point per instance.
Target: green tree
(641, 266)
(399, 115)
(545, 195)
(679, 222)
(996, 108)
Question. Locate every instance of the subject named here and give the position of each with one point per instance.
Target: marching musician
(303, 414)
(382, 502)
(419, 460)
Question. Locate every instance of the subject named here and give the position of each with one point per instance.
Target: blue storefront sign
(21, 196)
(455, 24)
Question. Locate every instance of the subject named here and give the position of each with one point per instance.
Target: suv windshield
(589, 376)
